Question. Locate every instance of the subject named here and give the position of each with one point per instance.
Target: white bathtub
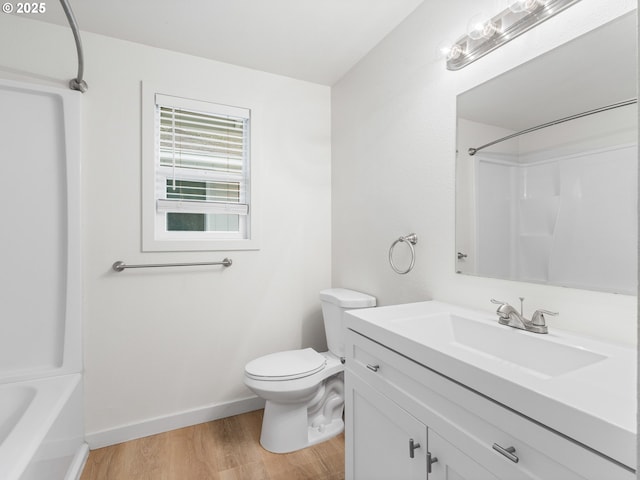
(41, 435)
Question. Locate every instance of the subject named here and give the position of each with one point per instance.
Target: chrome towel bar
(120, 265)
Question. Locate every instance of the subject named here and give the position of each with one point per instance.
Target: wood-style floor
(226, 449)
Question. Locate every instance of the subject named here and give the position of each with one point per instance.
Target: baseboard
(166, 423)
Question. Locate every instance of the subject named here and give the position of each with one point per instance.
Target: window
(201, 176)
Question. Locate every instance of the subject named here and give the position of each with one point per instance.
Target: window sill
(198, 245)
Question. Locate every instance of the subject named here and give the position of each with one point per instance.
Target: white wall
(393, 148)
(161, 342)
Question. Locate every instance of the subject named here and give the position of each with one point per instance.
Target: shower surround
(41, 422)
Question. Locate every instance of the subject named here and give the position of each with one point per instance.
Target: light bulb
(450, 50)
(489, 29)
(480, 26)
(456, 52)
(475, 30)
(531, 5)
(518, 6)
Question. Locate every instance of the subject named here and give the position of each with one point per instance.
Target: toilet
(304, 389)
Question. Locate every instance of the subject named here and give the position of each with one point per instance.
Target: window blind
(202, 155)
(201, 141)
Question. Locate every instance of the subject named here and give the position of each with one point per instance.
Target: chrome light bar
(521, 16)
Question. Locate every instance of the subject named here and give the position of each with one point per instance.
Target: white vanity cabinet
(383, 436)
(380, 436)
(392, 400)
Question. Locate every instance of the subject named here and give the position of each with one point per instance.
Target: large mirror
(557, 205)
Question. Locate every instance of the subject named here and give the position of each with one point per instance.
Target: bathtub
(41, 403)
(41, 437)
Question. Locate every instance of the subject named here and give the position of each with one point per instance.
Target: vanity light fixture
(486, 35)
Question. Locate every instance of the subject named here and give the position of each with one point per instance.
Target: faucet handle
(504, 311)
(538, 317)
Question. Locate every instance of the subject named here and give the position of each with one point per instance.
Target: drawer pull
(413, 446)
(508, 452)
(373, 368)
(430, 461)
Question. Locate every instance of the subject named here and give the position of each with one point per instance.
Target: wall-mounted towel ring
(410, 240)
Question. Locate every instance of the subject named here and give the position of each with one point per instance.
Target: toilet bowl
(303, 389)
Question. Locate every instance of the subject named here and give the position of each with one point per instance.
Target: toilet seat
(287, 365)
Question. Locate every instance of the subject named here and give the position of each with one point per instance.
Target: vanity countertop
(580, 387)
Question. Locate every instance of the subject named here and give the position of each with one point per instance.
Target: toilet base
(288, 427)
(285, 429)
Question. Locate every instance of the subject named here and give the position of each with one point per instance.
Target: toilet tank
(335, 301)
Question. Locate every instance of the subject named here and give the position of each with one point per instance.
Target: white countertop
(591, 399)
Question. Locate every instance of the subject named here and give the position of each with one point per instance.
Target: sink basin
(531, 351)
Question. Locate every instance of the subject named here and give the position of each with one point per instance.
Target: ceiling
(312, 40)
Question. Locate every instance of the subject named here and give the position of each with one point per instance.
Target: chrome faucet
(507, 315)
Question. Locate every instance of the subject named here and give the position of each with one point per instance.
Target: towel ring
(410, 240)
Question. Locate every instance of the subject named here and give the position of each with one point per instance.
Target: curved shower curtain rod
(472, 151)
(77, 83)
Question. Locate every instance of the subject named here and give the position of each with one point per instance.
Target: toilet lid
(287, 365)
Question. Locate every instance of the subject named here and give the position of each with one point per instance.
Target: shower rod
(76, 83)
(120, 265)
(472, 151)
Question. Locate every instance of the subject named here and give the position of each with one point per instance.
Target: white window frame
(155, 236)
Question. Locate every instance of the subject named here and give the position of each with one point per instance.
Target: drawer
(473, 422)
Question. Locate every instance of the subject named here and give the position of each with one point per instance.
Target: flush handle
(508, 452)
(413, 446)
(373, 368)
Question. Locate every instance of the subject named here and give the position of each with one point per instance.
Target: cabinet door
(449, 463)
(378, 436)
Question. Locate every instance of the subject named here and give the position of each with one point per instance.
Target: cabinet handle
(508, 452)
(373, 368)
(412, 448)
(430, 461)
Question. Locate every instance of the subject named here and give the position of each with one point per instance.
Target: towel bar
(120, 265)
